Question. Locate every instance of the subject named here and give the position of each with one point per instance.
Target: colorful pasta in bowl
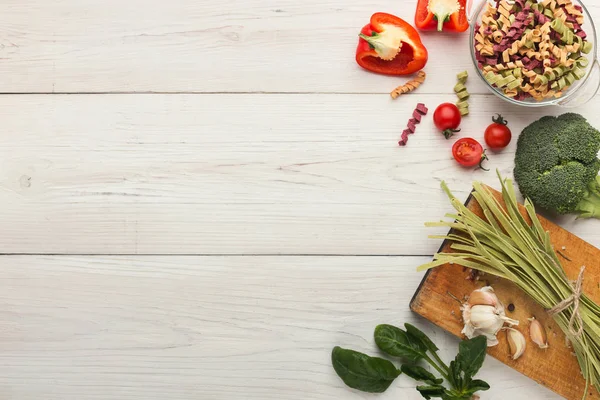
(536, 52)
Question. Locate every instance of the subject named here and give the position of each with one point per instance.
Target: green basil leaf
(362, 372)
(471, 354)
(455, 377)
(421, 374)
(430, 392)
(395, 342)
(418, 335)
(477, 385)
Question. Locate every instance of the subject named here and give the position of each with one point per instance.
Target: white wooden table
(200, 199)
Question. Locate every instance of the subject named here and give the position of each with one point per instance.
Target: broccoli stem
(589, 206)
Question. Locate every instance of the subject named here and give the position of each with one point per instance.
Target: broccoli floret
(557, 165)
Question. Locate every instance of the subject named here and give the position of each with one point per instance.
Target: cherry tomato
(447, 119)
(468, 152)
(497, 135)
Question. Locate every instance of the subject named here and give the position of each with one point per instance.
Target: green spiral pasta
(505, 81)
(536, 6)
(582, 62)
(492, 78)
(540, 80)
(555, 73)
(570, 78)
(559, 84)
(514, 84)
(586, 47)
(462, 93)
(578, 72)
(567, 35)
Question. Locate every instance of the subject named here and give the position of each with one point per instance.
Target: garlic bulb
(516, 343)
(538, 333)
(484, 315)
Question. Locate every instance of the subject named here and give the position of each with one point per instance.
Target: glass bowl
(578, 94)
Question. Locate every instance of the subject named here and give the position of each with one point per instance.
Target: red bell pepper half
(391, 46)
(447, 15)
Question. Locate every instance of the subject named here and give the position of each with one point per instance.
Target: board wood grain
(555, 367)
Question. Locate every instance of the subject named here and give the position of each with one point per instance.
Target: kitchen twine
(574, 301)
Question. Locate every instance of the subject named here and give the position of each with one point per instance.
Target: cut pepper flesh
(390, 45)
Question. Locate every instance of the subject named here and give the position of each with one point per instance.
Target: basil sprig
(374, 375)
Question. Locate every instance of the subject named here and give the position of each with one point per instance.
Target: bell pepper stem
(440, 21)
(442, 10)
(386, 43)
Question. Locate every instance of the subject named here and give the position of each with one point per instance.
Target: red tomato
(497, 135)
(468, 152)
(447, 119)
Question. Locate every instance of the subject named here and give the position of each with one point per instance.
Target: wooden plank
(211, 328)
(204, 46)
(555, 367)
(231, 174)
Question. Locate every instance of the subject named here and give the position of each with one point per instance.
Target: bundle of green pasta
(461, 92)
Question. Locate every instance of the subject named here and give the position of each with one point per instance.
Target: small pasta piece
(497, 36)
(409, 86)
(578, 73)
(487, 51)
(573, 48)
(419, 111)
(461, 92)
(586, 47)
(540, 80)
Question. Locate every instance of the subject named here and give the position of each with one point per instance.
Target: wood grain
(299, 157)
(205, 46)
(232, 174)
(555, 367)
(210, 328)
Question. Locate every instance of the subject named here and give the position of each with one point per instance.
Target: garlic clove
(538, 333)
(516, 343)
(483, 297)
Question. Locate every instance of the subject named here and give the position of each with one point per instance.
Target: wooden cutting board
(555, 367)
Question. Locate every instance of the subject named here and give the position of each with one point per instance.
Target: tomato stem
(500, 120)
(448, 133)
(484, 157)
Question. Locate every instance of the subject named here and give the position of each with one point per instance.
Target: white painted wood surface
(196, 136)
(208, 328)
(234, 174)
(205, 46)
